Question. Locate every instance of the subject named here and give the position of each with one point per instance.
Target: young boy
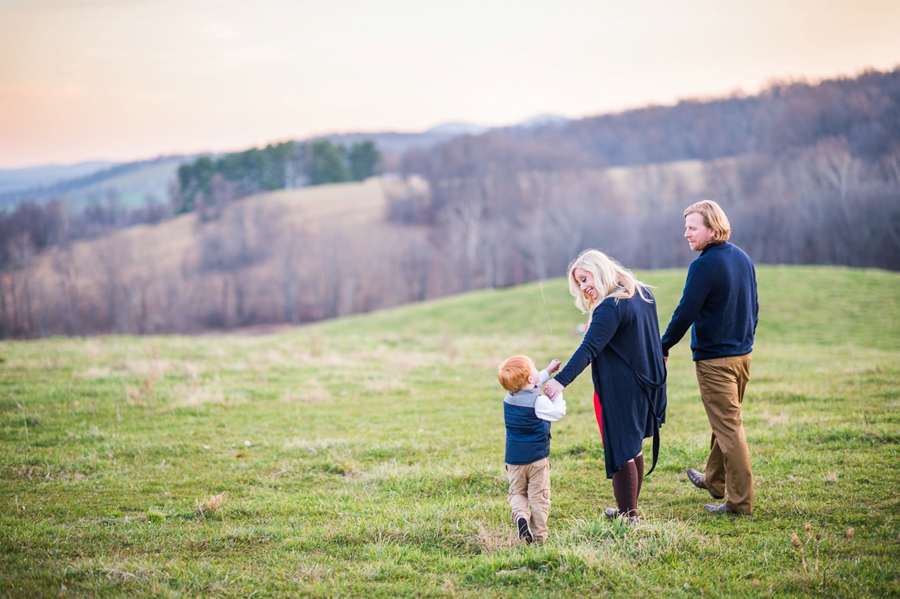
(528, 414)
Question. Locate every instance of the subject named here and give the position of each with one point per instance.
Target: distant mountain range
(134, 182)
(49, 174)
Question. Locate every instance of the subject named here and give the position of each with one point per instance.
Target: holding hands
(552, 388)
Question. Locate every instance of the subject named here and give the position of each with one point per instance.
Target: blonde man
(528, 413)
(720, 301)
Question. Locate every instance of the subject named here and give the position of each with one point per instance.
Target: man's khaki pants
(530, 484)
(728, 472)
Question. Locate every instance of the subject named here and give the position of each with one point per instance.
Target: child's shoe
(524, 529)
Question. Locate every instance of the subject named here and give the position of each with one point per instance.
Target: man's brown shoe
(696, 479)
(721, 509)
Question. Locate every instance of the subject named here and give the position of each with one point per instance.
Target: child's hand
(553, 367)
(552, 389)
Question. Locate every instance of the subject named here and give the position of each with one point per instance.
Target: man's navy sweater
(720, 300)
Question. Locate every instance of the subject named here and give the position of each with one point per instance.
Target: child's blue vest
(527, 436)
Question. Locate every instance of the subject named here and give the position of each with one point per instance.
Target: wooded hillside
(808, 173)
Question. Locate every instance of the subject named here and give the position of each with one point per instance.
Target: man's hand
(552, 388)
(553, 367)
(665, 359)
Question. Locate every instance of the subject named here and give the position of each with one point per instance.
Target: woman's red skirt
(598, 410)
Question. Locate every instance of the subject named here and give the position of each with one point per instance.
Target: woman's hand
(552, 388)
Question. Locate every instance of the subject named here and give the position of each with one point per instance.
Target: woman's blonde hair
(713, 217)
(611, 279)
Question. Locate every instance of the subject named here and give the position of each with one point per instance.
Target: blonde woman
(622, 345)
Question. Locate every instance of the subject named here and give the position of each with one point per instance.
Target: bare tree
(891, 216)
(463, 221)
(22, 251)
(244, 235)
(113, 258)
(291, 255)
(222, 193)
(66, 267)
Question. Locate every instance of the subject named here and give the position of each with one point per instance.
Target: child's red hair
(514, 372)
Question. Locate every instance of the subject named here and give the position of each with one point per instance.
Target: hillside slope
(169, 244)
(792, 308)
(363, 456)
(281, 257)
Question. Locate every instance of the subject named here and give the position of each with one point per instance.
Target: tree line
(808, 173)
(33, 227)
(207, 181)
(507, 213)
(784, 118)
(204, 184)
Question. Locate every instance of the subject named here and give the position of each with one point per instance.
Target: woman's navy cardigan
(622, 345)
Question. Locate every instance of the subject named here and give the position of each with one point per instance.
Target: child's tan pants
(530, 484)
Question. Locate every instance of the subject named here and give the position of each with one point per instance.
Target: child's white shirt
(548, 409)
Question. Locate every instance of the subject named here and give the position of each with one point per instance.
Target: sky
(133, 79)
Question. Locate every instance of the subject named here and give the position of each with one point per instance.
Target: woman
(622, 344)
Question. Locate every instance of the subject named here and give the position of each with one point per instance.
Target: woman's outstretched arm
(604, 323)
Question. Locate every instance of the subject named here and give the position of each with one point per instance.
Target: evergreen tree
(277, 166)
(364, 160)
(328, 165)
(194, 179)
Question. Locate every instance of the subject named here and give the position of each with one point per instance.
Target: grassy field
(364, 457)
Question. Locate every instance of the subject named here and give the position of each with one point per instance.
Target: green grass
(364, 457)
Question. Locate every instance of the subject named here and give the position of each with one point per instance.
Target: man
(720, 301)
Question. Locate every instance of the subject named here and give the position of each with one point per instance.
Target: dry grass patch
(390, 385)
(312, 573)
(195, 396)
(153, 369)
(191, 369)
(401, 362)
(94, 373)
(212, 505)
(489, 540)
(312, 391)
(27, 471)
(140, 394)
(122, 576)
(265, 360)
(775, 420)
(614, 541)
(316, 447)
(393, 471)
(92, 350)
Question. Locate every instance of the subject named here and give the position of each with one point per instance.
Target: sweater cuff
(561, 379)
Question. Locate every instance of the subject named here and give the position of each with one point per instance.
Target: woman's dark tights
(627, 484)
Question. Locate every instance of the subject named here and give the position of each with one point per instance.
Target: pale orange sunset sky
(132, 79)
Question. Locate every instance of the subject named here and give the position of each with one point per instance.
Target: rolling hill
(363, 456)
(285, 256)
(135, 181)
